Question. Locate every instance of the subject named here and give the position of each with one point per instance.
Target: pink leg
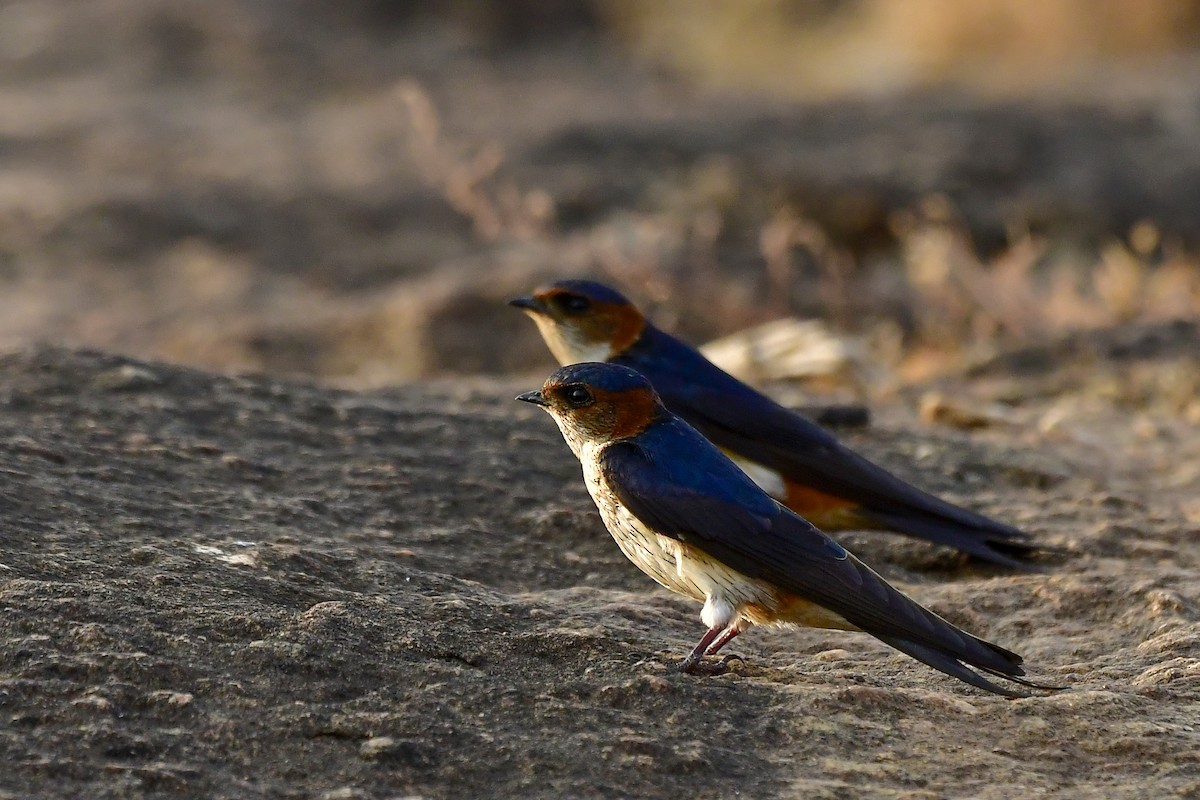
(725, 638)
(714, 639)
(694, 664)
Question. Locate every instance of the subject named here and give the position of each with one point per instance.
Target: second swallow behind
(690, 519)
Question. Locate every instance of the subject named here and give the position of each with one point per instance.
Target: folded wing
(743, 421)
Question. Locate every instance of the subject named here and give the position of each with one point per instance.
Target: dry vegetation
(810, 47)
(319, 195)
(956, 304)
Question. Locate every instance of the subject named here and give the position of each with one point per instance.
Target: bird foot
(697, 666)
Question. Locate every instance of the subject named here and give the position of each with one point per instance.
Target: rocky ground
(239, 587)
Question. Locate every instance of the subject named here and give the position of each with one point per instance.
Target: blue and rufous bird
(693, 521)
(792, 458)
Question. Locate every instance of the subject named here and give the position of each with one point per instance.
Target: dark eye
(574, 303)
(577, 395)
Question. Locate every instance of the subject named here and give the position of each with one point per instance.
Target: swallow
(792, 458)
(689, 518)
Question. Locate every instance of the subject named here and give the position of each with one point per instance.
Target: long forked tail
(891, 504)
(863, 598)
(988, 540)
(955, 668)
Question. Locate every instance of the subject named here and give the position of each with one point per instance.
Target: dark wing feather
(770, 543)
(743, 421)
(803, 451)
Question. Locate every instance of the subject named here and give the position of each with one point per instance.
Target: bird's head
(597, 403)
(583, 320)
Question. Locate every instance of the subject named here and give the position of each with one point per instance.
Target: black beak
(528, 303)
(533, 397)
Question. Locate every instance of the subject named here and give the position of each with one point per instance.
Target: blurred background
(348, 191)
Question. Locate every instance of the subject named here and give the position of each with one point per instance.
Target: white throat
(567, 344)
(581, 445)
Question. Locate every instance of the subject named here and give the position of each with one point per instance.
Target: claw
(698, 667)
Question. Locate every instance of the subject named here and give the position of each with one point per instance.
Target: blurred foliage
(350, 190)
(807, 47)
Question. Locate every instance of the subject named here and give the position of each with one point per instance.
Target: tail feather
(950, 665)
(994, 542)
(880, 609)
(1021, 679)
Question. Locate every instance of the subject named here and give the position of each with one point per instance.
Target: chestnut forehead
(600, 304)
(551, 292)
(635, 395)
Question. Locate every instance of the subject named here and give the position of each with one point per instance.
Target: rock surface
(239, 587)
